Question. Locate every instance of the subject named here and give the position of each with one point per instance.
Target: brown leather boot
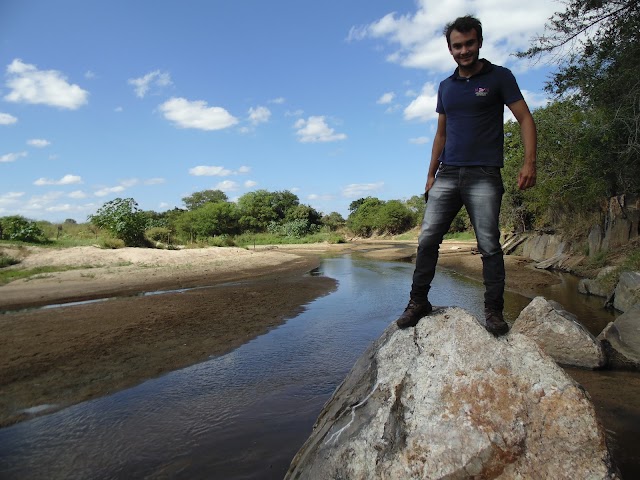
(413, 313)
(494, 322)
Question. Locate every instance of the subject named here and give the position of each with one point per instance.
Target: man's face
(465, 48)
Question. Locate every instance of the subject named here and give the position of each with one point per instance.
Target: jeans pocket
(491, 171)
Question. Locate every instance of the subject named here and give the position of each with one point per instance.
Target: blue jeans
(480, 190)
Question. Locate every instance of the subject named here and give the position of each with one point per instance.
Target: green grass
(250, 239)
(460, 236)
(7, 261)
(632, 262)
(7, 276)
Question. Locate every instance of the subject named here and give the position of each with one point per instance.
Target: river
(245, 414)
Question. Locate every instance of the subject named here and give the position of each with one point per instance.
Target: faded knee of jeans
(492, 253)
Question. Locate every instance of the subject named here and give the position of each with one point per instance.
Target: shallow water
(245, 414)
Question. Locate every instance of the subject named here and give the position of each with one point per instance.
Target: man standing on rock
(466, 158)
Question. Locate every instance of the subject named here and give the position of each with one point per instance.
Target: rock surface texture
(621, 340)
(597, 286)
(627, 292)
(448, 400)
(559, 334)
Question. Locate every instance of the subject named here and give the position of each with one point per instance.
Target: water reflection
(242, 415)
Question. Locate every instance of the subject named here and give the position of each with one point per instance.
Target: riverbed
(244, 414)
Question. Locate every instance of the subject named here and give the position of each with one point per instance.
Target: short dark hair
(463, 24)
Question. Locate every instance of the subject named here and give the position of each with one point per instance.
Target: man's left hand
(527, 176)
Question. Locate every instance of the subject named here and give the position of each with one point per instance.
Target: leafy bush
(19, 228)
(123, 219)
(295, 228)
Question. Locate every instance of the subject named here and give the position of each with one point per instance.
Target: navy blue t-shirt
(475, 110)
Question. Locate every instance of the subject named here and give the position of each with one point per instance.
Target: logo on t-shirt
(482, 92)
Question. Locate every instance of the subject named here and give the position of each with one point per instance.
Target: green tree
(598, 43)
(303, 212)
(417, 206)
(210, 220)
(363, 220)
(572, 176)
(261, 207)
(394, 217)
(199, 199)
(123, 219)
(334, 221)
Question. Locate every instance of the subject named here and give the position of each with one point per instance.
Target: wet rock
(559, 334)
(597, 286)
(448, 400)
(627, 292)
(621, 340)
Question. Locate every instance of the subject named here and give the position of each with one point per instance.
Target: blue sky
(157, 99)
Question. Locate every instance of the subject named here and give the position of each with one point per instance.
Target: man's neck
(470, 72)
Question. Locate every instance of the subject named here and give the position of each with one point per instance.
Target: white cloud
(107, 190)
(10, 198)
(154, 181)
(129, 182)
(215, 171)
(417, 41)
(358, 190)
(89, 75)
(250, 184)
(259, 115)
(209, 171)
(423, 107)
(38, 142)
(54, 157)
(6, 119)
(196, 114)
(419, 140)
(386, 98)
(315, 129)
(278, 101)
(315, 196)
(227, 186)
(12, 157)
(45, 87)
(143, 84)
(78, 194)
(118, 109)
(294, 113)
(66, 180)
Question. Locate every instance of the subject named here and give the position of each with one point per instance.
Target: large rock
(559, 334)
(543, 247)
(599, 286)
(621, 340)
(448, 400)
(627, 292)
(622, 222)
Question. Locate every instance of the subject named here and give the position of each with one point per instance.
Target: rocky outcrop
(448, 400)
(627, 292)
(621, 340)
(559, 334)
(597, 286)
(543, 247)
(622, 221)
